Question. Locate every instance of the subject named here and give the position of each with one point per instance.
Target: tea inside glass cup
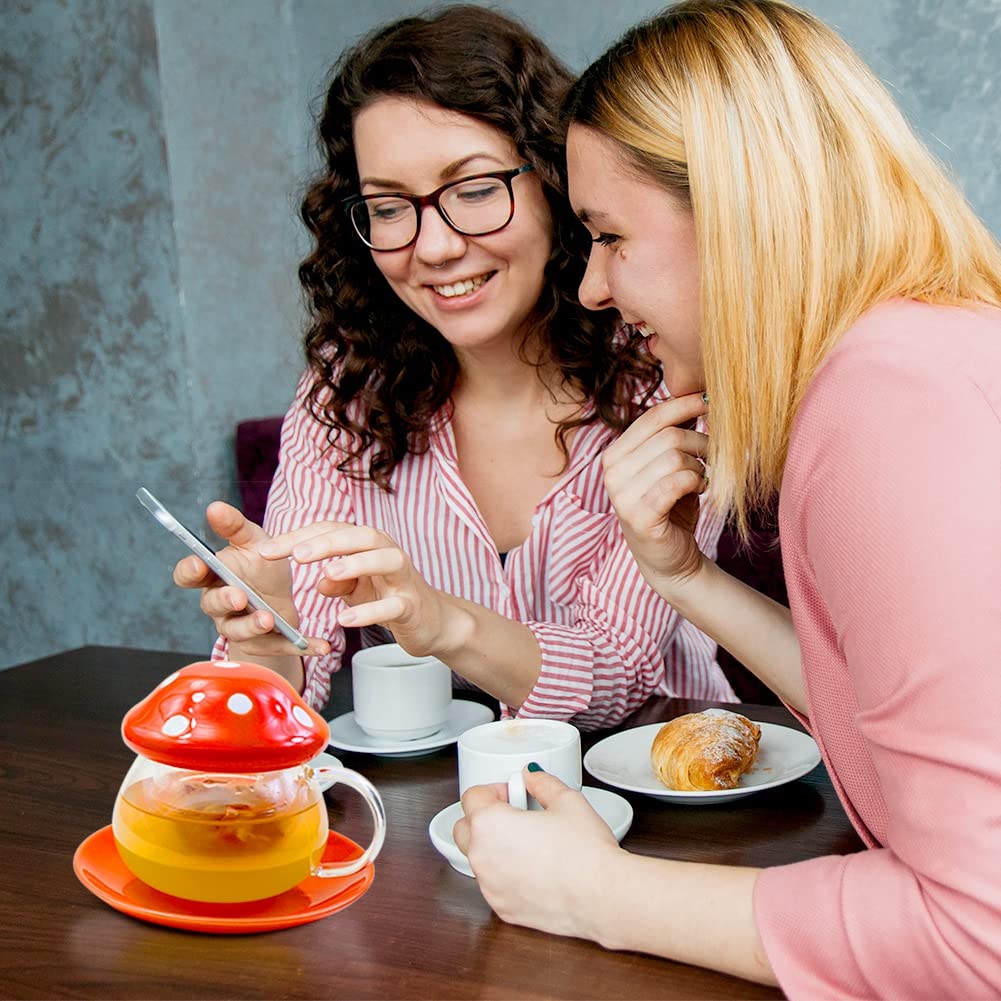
(221, 838)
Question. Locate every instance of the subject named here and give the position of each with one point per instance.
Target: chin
(683, 385)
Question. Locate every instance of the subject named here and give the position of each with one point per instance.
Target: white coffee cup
(497, 752)
(397, 696)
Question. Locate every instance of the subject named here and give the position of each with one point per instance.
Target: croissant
(705, 751)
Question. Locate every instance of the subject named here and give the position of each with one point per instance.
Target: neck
(496, 377)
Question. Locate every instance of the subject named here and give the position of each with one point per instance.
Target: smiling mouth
(645, 330)
(456, 290)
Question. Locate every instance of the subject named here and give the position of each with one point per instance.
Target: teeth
(645, 330)
(461, 288)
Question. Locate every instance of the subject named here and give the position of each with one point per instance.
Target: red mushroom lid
(222, 716)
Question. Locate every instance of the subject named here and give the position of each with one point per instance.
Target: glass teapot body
(220, 837)
(221, 804)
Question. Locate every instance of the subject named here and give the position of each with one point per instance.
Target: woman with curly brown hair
(440, 471)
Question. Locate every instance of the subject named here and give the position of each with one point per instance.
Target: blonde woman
(758, 204)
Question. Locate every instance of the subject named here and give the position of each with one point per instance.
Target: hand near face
(226, 605)
(543, 869)
(372, 574)
(654, 476)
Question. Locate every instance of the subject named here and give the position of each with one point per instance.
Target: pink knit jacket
(890, 521)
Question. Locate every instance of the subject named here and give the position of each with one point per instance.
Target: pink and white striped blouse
(608, 641)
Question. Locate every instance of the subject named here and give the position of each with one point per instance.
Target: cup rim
(405, 659)
(533, 722)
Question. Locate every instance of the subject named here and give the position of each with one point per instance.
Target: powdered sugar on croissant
(705, 751)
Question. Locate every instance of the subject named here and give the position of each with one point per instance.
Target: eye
(479, 191)
(387, 209)
(607, 239)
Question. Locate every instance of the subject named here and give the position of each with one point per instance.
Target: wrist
(599, 917)
(680, 590)
(456, 626)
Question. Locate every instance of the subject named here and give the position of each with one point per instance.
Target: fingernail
(267, 548)
(534, 766)
(705, 397)
(261, 621)
(347, 617)
(303, 552)
(334, 568)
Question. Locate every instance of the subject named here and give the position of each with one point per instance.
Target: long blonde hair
(812, 200)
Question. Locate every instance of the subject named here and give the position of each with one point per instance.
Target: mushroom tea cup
(220, 805)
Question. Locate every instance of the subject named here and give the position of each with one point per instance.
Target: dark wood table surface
(421, 931)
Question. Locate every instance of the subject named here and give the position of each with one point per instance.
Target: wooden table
(421, 931)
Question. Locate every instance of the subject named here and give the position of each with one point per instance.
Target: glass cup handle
(370, 794)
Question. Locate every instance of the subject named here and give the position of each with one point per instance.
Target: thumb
(544, 787)
(230, 524)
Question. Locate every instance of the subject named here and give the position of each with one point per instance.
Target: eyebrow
(591, 215)
(450, 171)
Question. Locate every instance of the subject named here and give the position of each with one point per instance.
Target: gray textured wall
(152, 156)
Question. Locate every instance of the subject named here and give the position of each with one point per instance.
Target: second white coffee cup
(398, 697)
(497, 752)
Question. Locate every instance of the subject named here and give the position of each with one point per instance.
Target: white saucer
(613, 809)
(623, 760)
(324, 760)
(347, 735)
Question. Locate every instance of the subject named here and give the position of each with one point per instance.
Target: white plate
(623, 761)
(613, 809)
(347, 735)
(324, 760)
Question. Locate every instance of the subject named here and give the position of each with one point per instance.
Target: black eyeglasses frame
(420, 202)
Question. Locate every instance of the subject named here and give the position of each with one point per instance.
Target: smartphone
(207, 554)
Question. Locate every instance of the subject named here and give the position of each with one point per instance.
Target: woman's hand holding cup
(527, 860)
(545, 869)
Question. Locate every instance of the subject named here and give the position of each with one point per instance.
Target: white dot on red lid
(239, 703)
(302, 716)
(226, 663)
(197, 697)
(175, 726)
(167, 681)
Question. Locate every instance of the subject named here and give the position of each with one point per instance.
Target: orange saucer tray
(100, 868)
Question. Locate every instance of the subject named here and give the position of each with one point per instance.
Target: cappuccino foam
(517, 737)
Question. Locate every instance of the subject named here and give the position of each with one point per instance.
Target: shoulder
(907, 348)
(303, 433)
(901, 367)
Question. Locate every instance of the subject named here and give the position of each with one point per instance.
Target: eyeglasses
(472, 206)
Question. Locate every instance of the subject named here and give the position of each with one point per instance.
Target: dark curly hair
(381, 373)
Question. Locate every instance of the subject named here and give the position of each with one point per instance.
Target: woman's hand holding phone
(251, 630)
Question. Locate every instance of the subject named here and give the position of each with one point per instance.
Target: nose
(594, 293)
(437, 242)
